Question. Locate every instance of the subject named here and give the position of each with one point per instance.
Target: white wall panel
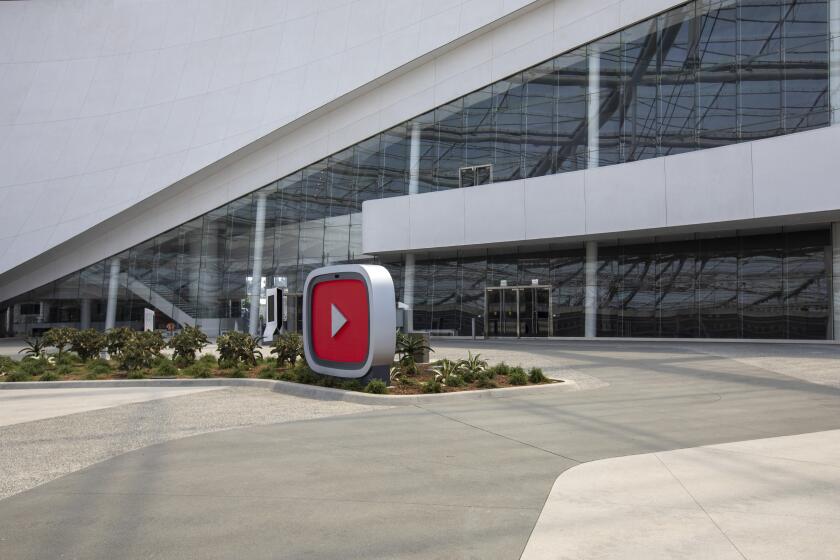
(494, 213)
(704, 188)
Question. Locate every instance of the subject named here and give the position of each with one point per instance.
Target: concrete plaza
(456, 479)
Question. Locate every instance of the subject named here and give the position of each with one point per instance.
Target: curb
(295, 389)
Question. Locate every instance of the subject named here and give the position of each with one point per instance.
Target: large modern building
(566, 168)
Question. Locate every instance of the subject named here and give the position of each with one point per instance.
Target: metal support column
(413, 188)
(834, 60)
(256, 274)
(591, 291)
(113, 288)
(85, 314)
(835, 280)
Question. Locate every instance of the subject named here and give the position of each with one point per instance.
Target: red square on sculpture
(340, 321)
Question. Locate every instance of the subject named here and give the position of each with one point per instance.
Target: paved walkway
(759, 499)
(456, 479)
(17, 407)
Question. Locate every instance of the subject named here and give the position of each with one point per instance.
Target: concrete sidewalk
(759, 499)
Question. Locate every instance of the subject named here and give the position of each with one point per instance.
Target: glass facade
(705, 74)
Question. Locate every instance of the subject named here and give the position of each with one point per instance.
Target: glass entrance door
(518, 311)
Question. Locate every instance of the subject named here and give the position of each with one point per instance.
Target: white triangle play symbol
(337, 320)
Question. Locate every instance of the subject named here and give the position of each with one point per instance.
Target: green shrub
(485, 382)
(454, 381)
(352, 385)
(268, 372)
(92, 376)
(137, 374)
(7, 365)
(208, 359)
(60, 338)
(517, 377)
(235, 347)
(198, 369)
(287, 348)
(303, 374)
(165, 368)
(88, 344)
(32, 366)
(67, 359)
(117, 339)
(49, 376)
(536, 375)
(18, 376)
(432, 387)
(62, 369)
(187, 343)
(237, 372)
(141, 350)
(99, 367)
(499, 369)
(376, 386)
(288, 375)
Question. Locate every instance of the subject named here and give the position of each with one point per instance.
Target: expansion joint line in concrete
(485, 430)
(699, 505)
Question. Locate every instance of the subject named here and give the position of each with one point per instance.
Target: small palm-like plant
(409, 348)
(473, 366)
(34, 348)
(446, 369)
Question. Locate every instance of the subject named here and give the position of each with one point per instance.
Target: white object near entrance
(148, 320)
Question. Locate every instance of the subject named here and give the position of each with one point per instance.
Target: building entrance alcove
(518, 311)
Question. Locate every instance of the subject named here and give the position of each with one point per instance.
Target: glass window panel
(759, 58)
(677, 290)
(573, 76)
(807, 288)
(610, 107)
(806, 45)
(342, 176)
(450, 158)
(368, 159)
(717, 75)
(609, 292)
(428, 156)
(483, 175)
(639, 75)
(292, 190)
(189, 264)
(539, 112)
(336, 244)
(507, 114)
(479, 134)
(311, 250)
(317, 202)
(760, 270)
(396, 148)
(467, 177)
(677, 80)
(446, 302)
(717, 292)
(473, 279)
(639, 293)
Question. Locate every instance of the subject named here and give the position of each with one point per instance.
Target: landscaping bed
(136, 355)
